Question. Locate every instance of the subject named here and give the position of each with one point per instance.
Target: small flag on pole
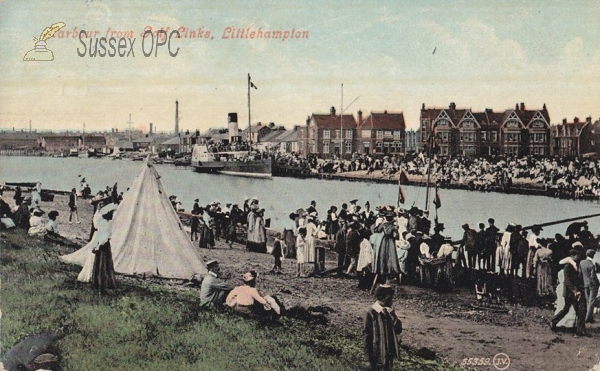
(438, 201)
(251, 83)
(401, 195)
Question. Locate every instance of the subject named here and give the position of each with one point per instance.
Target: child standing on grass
(300, 256)
(277, 253)
(381, 329)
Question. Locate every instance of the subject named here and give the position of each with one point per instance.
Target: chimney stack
(150, 128)
(332, 111)
(564, 121)
(516, 106)
(452, 106)
(176, 117)
(522, 106)
(360, 117)
(576, 120)
(588, 119)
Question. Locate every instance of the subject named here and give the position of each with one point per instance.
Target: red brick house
(330, 135)
(381, 133)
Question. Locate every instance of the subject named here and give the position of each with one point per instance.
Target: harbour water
(280, 196)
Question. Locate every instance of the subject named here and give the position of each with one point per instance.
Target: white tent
(148, 237)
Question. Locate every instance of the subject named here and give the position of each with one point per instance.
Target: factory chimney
(176, 117)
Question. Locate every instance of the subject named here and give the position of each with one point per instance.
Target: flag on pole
(401, 195)
(251, 83)
(438, 201)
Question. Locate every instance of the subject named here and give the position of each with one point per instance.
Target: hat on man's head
(590, 252)
(196, 200)
(465, 226)
(52, 214)
(574, 252)
(353, 201)
(38, 212)
(491, 221)
(439, 227)
(537, 228)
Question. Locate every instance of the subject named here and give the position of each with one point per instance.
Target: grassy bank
(144, 326)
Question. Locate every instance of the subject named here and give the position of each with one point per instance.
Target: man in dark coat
(573, 294)
(491, 242)
(589, 271)
(381, 329)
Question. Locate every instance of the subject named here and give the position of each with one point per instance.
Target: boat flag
(437, 201)
(251, 83)
(401, 195)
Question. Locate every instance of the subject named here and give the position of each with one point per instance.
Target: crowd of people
(564, 178)
(379, 246)
(560, 177)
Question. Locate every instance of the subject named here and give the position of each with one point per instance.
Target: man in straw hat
(381, 330)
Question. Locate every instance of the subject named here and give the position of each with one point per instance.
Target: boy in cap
(381, 329)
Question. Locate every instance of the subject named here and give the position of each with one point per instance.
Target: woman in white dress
(300, 252)
(311, 233)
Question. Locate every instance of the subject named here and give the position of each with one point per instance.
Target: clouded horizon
(391, 55)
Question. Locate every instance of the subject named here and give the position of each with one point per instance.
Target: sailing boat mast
(430, 153)
(83, 135)
(249, 125)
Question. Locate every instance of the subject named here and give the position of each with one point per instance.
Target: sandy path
(443, 323)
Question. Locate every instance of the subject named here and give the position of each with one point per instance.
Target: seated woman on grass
(52, 234)
(246, 299)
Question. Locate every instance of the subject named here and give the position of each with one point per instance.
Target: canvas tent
(147, 237)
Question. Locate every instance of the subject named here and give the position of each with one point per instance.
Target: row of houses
(520, 131)
(331, 135)
(450, 131)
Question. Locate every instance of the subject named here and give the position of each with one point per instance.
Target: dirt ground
(440, 324)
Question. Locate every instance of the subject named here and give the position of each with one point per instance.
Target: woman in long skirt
(386, 262)
(543, 269)
(103, 272)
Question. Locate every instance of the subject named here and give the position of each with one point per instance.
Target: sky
(389, 55)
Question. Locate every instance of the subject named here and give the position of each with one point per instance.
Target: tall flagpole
(249, 126)
(431, 140)
(342, 125)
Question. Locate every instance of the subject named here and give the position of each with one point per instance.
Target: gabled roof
(569, 128)
(172, 141)
(149, 139)
(474, 116)
(328, 121)
(510, 115)
(384, 121)
(288, 136)
(493, 119)
(124, 144)
(452, 114)
(272, 136)
(212, 132)
(256, 128)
